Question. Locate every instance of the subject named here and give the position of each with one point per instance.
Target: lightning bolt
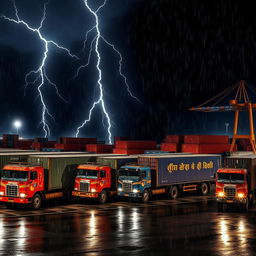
(95, 46)
(39, 76)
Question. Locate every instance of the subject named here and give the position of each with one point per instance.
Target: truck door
(103, 179)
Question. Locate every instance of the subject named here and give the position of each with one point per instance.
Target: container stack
(206, 144)
(172, 143)
(10, 140)
(74, 144)
(39, 146)
(244, 145)
(24, 144)
(131, 147)
(99, 148)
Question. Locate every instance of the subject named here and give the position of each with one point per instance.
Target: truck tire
(145, 196)
(204, 189)
(103, 196)
(36, 201)
(174, 192)
(220, 207)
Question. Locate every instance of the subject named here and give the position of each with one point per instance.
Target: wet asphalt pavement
(188, 226)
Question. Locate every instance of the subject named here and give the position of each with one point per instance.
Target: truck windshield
(130, 173)
(230, 178)
(90, 174)
(14, 175)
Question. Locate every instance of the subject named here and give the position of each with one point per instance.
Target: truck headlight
(135, 190)
(93, 190)
(240, 195)
(120, 189)
(75, 188)
(221, 194)
(1, 193)
(22, 195)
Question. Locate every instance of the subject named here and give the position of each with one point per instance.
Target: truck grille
(127, 187)
(230, 192)
(84, 186)
(11, 190)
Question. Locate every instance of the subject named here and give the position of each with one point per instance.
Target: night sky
(176, 54)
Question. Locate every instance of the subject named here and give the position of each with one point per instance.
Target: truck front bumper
(234, 200)
(133, 195)
(17, 200)
(85, 194)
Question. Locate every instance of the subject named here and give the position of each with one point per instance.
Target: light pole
(17, 124)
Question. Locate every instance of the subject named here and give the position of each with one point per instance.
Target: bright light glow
(120, 189)
(1, 193)
(39, 76)
(93, 190)
(95, 44)
(22, 195)
(135, 191)
(221, 194)
(17, 124)
(240, 195)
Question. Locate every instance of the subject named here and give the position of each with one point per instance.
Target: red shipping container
(70, 147)
(74, 140)
(190, 148)
(99, 148)
(206, 139)
(171, 147)
(174, 139)
(39, 146)
(128, 151)
(206, 148)
(135, 144)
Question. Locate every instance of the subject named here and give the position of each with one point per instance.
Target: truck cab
(93, 181)
(134, 181)
(232, 187)
(21, 183)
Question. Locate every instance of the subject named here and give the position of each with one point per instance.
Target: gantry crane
(240, 102)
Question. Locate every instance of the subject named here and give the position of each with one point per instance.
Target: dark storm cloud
(177, 53)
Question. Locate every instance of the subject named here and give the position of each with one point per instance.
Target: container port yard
(127, 128)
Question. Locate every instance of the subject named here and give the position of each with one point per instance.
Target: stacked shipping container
(172, 143)
(206, 144)
(131, 147)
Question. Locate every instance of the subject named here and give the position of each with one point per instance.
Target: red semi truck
(236, 183)
(99, 180)
(45, 177)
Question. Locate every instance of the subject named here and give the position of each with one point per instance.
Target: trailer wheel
(103, 196)
(204, 189)
(36, 201)
(145, 196)
(174, 192)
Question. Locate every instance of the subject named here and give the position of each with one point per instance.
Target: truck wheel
(204, 189)
(36, 201)
(103, 196)
(220, 207)
(145, 196)
(174, 192)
